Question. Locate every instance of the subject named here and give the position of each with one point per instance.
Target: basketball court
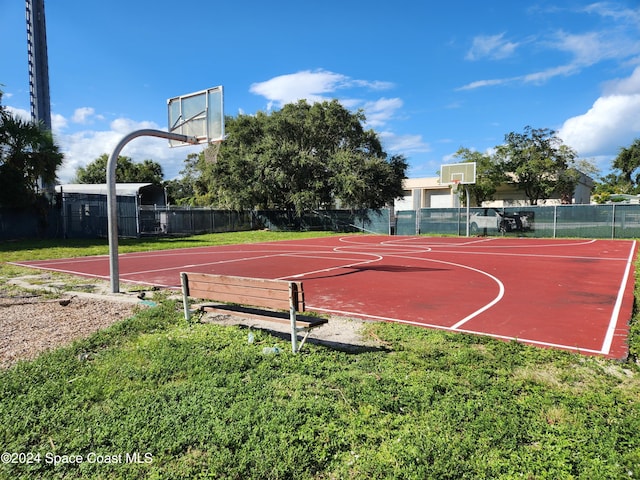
(570, 294)
(574, 295)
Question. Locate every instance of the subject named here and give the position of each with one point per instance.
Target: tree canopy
(540, 163)
(127, 171)
(536, 162)
(29, 158)
(628, 163)
(625, 176)
(302, 157)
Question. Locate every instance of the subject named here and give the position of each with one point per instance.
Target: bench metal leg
(307, 331)
(294, 330)
(185, 295)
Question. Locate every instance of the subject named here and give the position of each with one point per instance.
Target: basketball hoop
(211, 151)
(455, 186)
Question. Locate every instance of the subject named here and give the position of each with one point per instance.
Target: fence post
(555, 219)
(613, 220)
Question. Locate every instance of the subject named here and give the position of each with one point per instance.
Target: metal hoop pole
(112, 205)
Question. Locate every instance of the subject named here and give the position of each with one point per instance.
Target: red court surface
(568, 294)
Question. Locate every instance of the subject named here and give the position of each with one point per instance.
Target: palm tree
(29, 159)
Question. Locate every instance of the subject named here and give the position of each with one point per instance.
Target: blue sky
(431, 77)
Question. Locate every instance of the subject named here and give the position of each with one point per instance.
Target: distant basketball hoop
(457, 174)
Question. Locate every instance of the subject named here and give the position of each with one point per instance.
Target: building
(428, 192)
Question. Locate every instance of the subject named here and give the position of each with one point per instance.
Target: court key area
(569, 294)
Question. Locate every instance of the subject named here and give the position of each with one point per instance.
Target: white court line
(57, 261)
(608, 339)
(450, 329)
(544, 245)
(60, 270)
(456, 326)
(324, 270)
(482, 309)
(530, 255)
(233, 260)
(166, 269)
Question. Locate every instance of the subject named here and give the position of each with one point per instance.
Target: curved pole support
(112, 206)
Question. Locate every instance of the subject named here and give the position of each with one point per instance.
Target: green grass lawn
(157, 397)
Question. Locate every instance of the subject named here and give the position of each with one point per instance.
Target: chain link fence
(88, 219)
(581, 221)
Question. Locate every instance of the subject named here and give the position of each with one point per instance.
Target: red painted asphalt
(569, 294)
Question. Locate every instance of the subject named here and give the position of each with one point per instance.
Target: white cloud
(607, 9)
(85, 115)
(485, 83)
(301, 85)
(543, 76)
(313, 86)
(320, 85)
(19, 113)
(612, 122)
(491, 46)
(380, 111)
(593, 47)
(403, 144)
(624, 86)
(58, 122)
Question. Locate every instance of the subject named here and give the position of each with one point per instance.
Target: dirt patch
(39, 324)
(38, 313)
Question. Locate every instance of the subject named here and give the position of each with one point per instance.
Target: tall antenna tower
(38, 64)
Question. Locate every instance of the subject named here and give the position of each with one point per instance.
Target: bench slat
(208, 293)
(258, 292)
(239, 281)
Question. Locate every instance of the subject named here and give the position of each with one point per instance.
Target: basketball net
(455, 186)
(211, 151)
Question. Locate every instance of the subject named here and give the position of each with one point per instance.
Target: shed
(84, 207)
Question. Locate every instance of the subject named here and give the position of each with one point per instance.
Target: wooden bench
(254, 292)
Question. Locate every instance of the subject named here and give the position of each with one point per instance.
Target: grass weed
(163, 398)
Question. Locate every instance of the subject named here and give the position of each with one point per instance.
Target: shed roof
(122, 189)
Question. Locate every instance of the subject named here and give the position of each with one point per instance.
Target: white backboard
(462, 173)
(199, 114)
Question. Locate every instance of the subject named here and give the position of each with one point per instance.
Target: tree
(625, 178)
(628, 162)
(29, 158)
(127, 171)
(188, 188)
(489, 175)
(302, 157)
(611, 184)
(539, 163)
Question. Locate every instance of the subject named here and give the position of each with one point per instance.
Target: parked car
(493, 219)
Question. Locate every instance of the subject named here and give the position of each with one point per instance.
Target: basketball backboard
(461, 173)
(199, 114)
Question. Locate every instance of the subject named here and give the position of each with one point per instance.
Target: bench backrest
(257, 292)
